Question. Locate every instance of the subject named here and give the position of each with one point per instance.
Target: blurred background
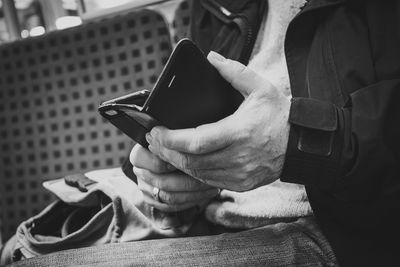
(24, 18)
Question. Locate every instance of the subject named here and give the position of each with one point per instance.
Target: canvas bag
(112, 210)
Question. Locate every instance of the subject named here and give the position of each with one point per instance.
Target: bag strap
(79, 181)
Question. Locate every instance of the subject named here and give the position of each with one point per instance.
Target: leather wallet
(188, 93)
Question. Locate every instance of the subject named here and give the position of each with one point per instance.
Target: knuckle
(241, 70)
(165, 139)
(197, 144)
(240, 160)
(185, 161)
(162, 154)
(160, 183)
(245, 133)
(145, 177)
(154, 180)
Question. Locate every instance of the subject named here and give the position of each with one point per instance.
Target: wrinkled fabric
(276, 202)
(298, 243)
(111, 211)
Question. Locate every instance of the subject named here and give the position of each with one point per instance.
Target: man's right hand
(178, 191)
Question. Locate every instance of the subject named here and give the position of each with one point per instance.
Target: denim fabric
(298, 243)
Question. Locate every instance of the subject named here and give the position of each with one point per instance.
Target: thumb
(238, 75)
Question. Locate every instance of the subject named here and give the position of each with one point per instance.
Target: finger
(203, 139)
(148, 198)
(191, 162)
(143, 158)
(186, 199)
(175, 181)
(218, 178)
(215, 177)
(180, 198)
(238, 75)
(209, 169)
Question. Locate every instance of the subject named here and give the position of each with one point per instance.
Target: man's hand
(241, 152)
(178, 191)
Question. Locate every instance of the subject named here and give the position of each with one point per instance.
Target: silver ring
(156, 194)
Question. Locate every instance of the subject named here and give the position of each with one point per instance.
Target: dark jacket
(344, 64)
(343, 59)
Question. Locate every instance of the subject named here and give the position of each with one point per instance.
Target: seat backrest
(50, 87)
(181, 22)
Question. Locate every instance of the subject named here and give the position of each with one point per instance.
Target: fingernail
(149, 139)
(215, 56)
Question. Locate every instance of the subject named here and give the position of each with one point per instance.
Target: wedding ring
(156, 194)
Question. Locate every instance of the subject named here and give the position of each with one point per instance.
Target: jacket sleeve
(357, 146)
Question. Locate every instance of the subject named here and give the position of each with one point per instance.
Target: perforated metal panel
(50, 88)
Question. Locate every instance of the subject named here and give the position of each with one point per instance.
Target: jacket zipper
(219, 11)
(245, 27)
(227, 17)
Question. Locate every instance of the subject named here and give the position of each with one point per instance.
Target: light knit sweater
(277, 201)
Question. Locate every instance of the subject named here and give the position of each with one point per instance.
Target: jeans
(296, 243)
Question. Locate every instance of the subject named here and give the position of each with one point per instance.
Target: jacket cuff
(312, 156)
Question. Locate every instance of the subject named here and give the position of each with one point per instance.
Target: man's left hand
(244, 150)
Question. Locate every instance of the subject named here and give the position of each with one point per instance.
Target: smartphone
(189, 92)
